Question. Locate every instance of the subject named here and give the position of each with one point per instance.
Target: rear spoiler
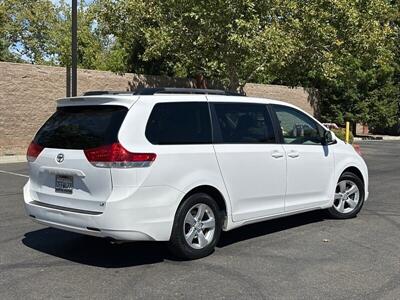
(122, 100)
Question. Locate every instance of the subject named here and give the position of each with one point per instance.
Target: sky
(57, 1)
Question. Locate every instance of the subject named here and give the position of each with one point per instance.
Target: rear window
(179, 123)
(81, 127)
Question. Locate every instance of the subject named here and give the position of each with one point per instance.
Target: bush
(341, 134)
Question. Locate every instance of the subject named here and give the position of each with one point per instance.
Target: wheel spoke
(190, 219)
(351, 202)
(190, 235)
(200, 212)
(352, 190)
(210, 223)
(338, 196)
(342, 186)
(202, 239)
(341, 206)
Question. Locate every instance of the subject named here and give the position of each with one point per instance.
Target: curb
(9, 159)
(377, 138)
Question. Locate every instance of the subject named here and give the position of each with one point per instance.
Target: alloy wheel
(199, 226)
(347, 196)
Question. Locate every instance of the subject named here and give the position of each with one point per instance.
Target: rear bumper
(131, 214)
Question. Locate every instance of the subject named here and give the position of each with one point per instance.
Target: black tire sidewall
(178, 244)
(351, 177)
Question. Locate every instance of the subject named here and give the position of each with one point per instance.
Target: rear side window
(242, 123)
(81, 127)
(179, 123)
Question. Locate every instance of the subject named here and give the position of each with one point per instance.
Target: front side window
(242, 123)
(297, 127)
(179, 123)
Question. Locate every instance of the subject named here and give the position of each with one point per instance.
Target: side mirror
(328, 138)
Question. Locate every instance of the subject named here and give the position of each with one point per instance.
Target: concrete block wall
(28, 94)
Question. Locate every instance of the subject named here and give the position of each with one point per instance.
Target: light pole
(74, 48)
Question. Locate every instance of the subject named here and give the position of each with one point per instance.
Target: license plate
(64, 184)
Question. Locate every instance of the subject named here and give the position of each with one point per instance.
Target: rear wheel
(197, 227)
(349, 197)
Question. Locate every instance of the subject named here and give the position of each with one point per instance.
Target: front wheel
(197, 227)
(349, 197)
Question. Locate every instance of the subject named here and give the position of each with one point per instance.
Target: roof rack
(96, 93)
(168, 90)
(165, 90)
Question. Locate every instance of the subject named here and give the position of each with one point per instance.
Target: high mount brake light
(116, 156)
(33, 151)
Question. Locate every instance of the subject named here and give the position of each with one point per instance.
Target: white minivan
(180, 165)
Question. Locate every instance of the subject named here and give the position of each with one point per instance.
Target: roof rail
(96, 93)
(165, 90)
(170, 90)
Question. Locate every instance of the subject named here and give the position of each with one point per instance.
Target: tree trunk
(233, 81)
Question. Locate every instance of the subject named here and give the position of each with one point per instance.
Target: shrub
(341, 134)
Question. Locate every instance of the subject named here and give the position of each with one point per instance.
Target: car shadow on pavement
(94, 251)
(101, 253)
(267, 227)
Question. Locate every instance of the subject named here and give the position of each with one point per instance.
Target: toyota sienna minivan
(181, 165)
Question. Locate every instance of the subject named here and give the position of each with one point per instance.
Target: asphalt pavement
(300, 257)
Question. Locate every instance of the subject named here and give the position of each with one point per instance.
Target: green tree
(347, 51)
(28, 28)
(39, 32)
(4, 45)
(233, 41)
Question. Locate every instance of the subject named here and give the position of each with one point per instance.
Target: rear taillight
(33, 151)
(116, 156)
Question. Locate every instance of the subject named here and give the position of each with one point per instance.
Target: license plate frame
(64, 184)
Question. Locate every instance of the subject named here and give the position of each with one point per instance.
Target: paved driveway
(304, 256)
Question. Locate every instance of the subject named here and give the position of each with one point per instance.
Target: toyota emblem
(60, 158)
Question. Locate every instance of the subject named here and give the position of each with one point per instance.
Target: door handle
(293, 154)
(277, 154)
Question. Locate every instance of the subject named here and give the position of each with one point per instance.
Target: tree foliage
(5, 43)
(345, 51)
(352, 46)
(39, 31)
(233, 41)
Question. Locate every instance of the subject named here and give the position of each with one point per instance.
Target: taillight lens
(116, 156)
(33, 151)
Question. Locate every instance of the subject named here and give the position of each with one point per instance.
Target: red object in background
(358, 149)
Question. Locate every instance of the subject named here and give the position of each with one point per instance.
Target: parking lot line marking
(12, 173)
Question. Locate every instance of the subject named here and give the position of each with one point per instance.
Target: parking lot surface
(306, 256)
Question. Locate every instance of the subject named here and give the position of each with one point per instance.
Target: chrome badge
(60, 158)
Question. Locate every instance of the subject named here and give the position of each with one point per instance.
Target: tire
(199, 230)
(348, 200)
